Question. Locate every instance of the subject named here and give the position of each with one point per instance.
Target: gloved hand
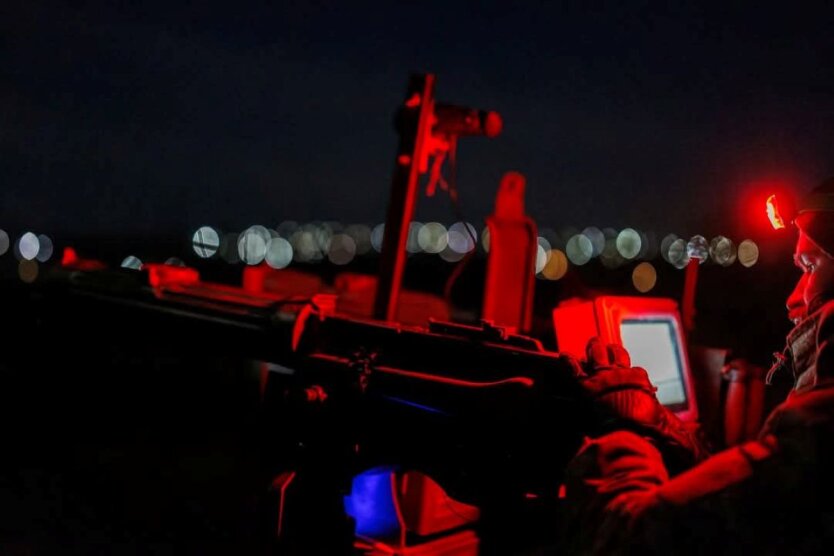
(624, 398)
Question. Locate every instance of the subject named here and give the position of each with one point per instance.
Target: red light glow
(162, 275)
(413, 101)
(755, 219)
(773, 214)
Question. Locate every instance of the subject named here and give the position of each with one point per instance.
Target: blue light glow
(371, 504)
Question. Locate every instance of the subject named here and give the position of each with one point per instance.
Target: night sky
(135, 117)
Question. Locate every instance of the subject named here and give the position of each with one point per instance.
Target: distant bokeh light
(132, 262)
(322, 232)
(251, 245)
(261, 231)
(46, 248)
(541, 257)
(564, 236)
(648, 249)
(644, 277)
(579, 249)
(557, 265)
(4, 242)
(542, 253)
(722, 250)
(458, 242)
(629, 243)
(278, 253)
(450, 255)
(304, 246)
(698, 248)
(28, 246)
(748, 253)
(376, 237)
(361, 235)
(206, 242)
(412, 244)
(665, 244)
(27, 270)
(433, 237)
(610, 257)
(597, 239)
(459, 239)
(342, 249)
(678, 256)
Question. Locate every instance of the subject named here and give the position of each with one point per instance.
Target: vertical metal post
(689, 288)
(415, 131)
(511, 266)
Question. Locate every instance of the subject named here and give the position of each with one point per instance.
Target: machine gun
(492, 417)
(488, 415)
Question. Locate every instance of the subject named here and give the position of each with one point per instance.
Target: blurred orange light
(773, 215)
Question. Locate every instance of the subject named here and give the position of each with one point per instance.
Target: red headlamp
(773, 214)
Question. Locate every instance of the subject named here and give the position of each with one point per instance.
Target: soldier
(646, 486)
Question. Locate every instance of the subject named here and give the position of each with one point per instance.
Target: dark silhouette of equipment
(465, 402)
(457, 121)
(427, 130)
(510, 273)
